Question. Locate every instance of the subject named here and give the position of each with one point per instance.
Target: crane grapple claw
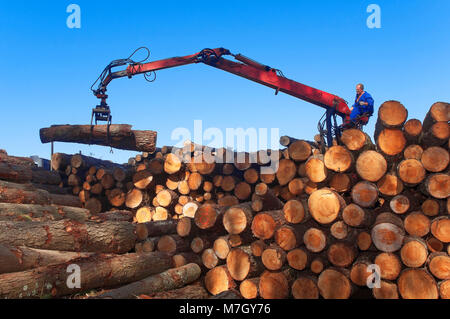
(101, 113)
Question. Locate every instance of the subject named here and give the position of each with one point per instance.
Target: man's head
(359, 88)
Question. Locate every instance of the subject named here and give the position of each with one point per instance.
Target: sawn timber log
(119, 136)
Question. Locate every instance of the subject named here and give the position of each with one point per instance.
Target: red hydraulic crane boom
(243, 66)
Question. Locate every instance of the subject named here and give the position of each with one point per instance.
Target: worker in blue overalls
(363, 105)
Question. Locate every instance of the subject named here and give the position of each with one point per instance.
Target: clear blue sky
(47, 68)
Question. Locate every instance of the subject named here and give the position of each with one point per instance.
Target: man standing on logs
(363, 105)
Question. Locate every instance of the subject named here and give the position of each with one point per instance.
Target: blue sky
(47, 68)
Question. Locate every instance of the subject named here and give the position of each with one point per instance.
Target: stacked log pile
(100, 185)
(363, 219)
(45, 235)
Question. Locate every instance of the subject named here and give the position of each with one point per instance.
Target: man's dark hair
(361, 85)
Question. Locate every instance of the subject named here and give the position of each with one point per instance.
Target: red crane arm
(273, 80)
(248, 69)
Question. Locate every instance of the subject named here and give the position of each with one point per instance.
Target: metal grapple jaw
(102, 111)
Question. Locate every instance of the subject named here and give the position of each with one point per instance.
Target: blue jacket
(361, 109)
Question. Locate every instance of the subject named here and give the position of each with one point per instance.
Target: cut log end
(334, 285)
(218, 280)
(305, 288)
(273, 285)
(417, 284)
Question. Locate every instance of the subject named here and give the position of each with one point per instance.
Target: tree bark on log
(167, 280)
(97, 271)
(16, 160)
(42, 212)
(15, 173)
(27, 194)
(269, 200)
(53, 189)
(231, 294)
(156, 228)
(22, 196)
(119, 136)
(42, 176)
(84, 162)
(16, 259)
(115, 215)
(69, 235)
(193, 291)
(65, 200)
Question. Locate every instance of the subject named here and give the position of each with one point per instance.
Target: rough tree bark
(97, 271)
(69, 235)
